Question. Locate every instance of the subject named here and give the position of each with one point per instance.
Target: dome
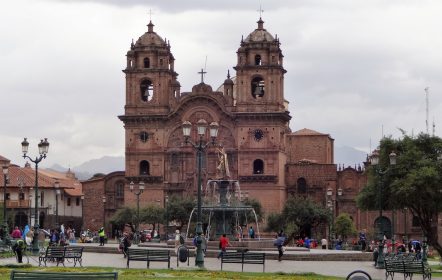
(150, 38)
(259, 34)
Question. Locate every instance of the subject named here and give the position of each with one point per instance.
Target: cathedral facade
(270, 161)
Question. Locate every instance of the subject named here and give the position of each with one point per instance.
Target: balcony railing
(17, 204)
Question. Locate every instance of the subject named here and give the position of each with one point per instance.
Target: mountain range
(345, 155)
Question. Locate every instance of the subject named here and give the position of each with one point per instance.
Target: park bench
(52, 253)
(15, 274)
(148, 256)
(243, 258)
(406, 267)
(75, 253)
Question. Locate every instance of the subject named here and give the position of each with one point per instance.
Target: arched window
(146, 90)
(146, 62)
(302, 186)
(144, 167)
(258, 60)
(258, 166)
(119, 190)
(258, 87)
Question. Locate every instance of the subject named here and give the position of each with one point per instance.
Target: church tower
(260, 73)
(152, 91)
(262, 117)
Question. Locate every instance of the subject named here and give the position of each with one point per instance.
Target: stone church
(270, 161)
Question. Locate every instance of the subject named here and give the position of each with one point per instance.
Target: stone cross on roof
(202, 75)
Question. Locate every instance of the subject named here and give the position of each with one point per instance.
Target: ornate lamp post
(200, 146)
(137, 193)
(104, 212)
(82, 212)
(374, 161)
(5, 236)
(166, 225)
(57, 193)
(43, 148)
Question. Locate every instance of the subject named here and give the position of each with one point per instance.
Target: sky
(356, 69)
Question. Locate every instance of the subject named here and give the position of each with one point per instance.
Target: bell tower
(260, 73)
(151, 85)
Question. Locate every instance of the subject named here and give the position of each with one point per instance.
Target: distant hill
(86, 170)
(349, 156)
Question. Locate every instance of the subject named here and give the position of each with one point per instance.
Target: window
(21, 196)
(77, 201)
(302, 185)
(146, 90)
(146, 62)
(144, 136)
(144, 167)
(161, 62)
(258, 60)
(258, 87)
(42, 199)
(68, 202)
(258, 166)
(8, 196)
(119, 189)
(415, 222)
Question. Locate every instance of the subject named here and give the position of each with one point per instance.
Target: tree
(124, 216)
(179, 209)
(257, 207)
(152, 214)
(344, 226)
(414, 182)
(298, 216)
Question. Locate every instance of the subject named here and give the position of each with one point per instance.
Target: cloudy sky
(356, 68)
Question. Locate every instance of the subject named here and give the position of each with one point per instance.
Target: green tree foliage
(414, 182)
(152, 214)
(124, 216)
(299, 214)
(179, 209)
(344, 226)
(257, 207)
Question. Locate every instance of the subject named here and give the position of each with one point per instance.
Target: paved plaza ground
(332, 268)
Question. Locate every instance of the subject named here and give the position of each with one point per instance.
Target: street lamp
(104, 211)
(82, 212)
(57, 193)
(200, 146)
(166, 225)
(43, 148)
(30, 204)
(374, 161)
(137, 193)
(5, 235)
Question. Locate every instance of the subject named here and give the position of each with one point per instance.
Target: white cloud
(353, 66)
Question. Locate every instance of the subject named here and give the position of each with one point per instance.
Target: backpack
(181, 239)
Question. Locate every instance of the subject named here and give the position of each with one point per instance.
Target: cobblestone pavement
(332, 268)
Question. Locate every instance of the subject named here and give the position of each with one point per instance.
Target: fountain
(223, 209)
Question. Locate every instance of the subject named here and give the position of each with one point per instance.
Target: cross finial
(260, 11)
(202, 75)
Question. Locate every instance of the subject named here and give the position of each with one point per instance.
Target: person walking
(279, 243)
(101, 234)
(251, 232)
(223, 243)
(126, 243)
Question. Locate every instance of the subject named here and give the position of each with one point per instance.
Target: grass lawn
(136, 274)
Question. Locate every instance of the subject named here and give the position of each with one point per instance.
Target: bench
(52, 253)
(15, 274)
(59, 254)
(148, 256)
(75, 253)
(406, 267)
(243, 258)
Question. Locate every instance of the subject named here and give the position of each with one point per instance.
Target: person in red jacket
(223, 243)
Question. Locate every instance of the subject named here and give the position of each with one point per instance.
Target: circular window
(258, 134)
(144, 136)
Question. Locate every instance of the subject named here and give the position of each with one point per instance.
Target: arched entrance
(21, 219)
(384, 224)
(41, 219)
